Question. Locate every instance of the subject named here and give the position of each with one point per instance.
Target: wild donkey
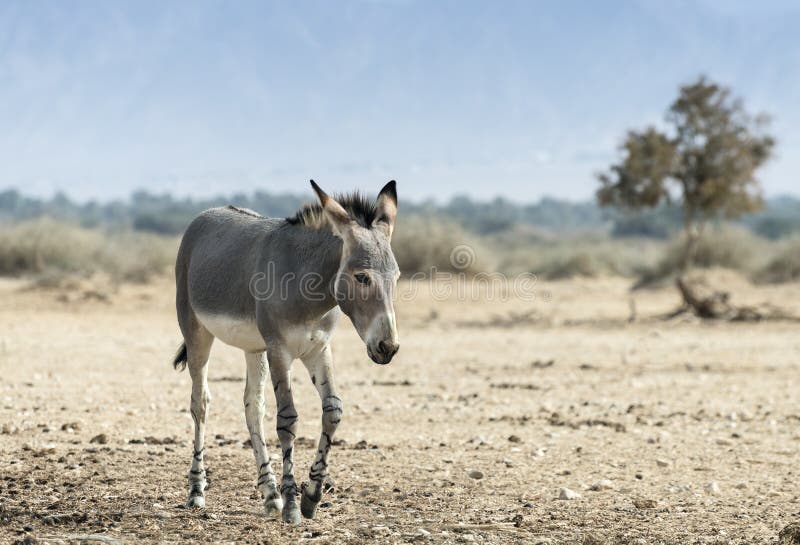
(274, 287)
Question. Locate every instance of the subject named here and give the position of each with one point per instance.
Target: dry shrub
(51, 249)
(784, 265)
(586, 256)
(137, 257)
(422, 244)
(727, 247)
(44, 245)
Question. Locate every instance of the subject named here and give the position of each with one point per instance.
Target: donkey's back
(216, 260)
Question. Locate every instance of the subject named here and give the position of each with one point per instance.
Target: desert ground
(664, 431)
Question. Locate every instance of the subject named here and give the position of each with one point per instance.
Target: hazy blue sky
(520, 99)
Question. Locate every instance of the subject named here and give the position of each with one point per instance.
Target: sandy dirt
(666, 431)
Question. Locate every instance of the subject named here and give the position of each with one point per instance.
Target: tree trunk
(692, 234)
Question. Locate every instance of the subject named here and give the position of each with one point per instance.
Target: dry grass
(588, 256)
(426, 244)
(726, 247)
(49, 249)
(784, 266)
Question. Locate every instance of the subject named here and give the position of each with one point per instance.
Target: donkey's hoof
(308, 506)
(273, 507)
(196, 501)
(291, 514)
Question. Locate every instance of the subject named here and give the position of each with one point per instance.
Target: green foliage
(640, 180)
(719, 146)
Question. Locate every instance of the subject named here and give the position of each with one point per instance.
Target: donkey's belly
(238, 332)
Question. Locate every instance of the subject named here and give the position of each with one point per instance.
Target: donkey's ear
(336, 214)
(386, 208)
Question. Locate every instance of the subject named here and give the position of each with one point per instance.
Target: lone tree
(707, 158)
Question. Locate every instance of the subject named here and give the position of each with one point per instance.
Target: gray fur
(274, 287)
(223, 250)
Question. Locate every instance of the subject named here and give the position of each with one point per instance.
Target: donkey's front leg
(254, 414)
(280, 368)
(320, 367)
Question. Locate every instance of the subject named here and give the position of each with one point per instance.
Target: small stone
(680, 489)
(741, 486)
(475, 474)
(567, 494)
(643, 503)
(100, 439)
(602, 484)
(423, 532)
(724, 442)
(790, 535)
(8, 429)
(712, 487)
(540, 452)
(514, 439)
(660, 462)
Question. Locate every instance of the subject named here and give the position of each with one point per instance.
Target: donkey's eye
(362, 278)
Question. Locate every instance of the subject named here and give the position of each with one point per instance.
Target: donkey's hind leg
(197, 350)
(257, 370)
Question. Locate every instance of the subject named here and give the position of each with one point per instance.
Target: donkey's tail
(179, 361)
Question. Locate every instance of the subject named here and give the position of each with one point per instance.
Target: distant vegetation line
(165, 214)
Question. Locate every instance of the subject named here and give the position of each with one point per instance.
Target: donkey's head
(368, 271)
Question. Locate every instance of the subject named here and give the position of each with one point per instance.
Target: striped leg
(198, 370)
(254, 414)
(280, 367)
(320, 367)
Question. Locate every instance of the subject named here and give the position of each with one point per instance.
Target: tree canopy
(706, 158)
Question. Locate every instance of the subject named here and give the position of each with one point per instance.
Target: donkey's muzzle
(384, 352)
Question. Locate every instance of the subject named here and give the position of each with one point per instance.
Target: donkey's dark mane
(361, 208)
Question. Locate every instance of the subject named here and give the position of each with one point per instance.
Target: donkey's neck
(322, 255)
